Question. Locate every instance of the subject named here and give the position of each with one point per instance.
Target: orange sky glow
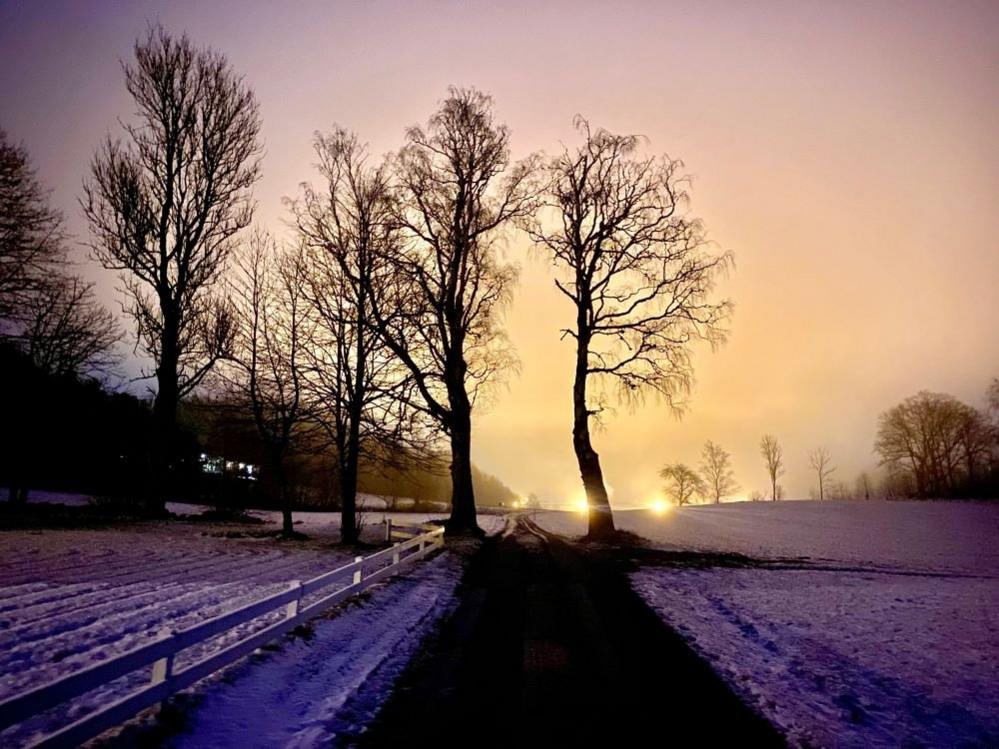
(847, 153)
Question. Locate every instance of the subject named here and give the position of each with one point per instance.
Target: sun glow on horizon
(660, 506)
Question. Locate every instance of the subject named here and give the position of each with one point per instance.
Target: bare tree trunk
(287, 526)
(165, 417)
(601, 522)
(348, 483)
(463, 518)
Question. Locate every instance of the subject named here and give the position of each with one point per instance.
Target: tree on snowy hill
(773, 456)
(682, 484)
(820, 462)
(165, 207)
(640, 275)
(864, 486)
(936, 446)
(716, 468)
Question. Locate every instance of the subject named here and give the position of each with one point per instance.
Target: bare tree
(31, 234)
(682, 483)
(65, 330)
(938, 442)
(52, 316)
(773, 456)
(455, 192)
(269, 353)
(640, 278)
(716, 469)
(864, 485)
(363, 390)
(165, 207)
(819, 460)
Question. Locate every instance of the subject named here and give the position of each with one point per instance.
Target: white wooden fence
(159, 654)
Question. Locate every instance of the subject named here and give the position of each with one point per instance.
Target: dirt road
(549, 646)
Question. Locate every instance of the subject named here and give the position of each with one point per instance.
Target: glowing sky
(846, 152)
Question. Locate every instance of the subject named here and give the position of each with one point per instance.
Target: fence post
(420, 551)
(388, 529)
(163, 668)
(395, 554)
(357, 573)
(291, 610)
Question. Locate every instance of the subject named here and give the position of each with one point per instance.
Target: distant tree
(269, 353)
(682, 483)
(716, 469)
(65, 330)
(363, 392)
(640, 276)
(755, 496)
(165, 208)
(773, 456)
(31, 233)
(455, 193)
(865, 486)
(839, 490)
(820, 462)
(940, 443)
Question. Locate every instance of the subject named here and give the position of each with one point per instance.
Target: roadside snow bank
(334, 680)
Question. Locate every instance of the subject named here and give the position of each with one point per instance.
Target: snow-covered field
(879, 626)
(69, 598)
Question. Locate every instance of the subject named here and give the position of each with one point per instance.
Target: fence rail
(419, 541)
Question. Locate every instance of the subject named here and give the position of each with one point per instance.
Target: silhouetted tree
(31, 234)
(716, 469)
(942, 444)
(455, 191)
(773, 456)
(682, 483)
(363, 391)
(639, 275)
(819, 460)
(52, 316)
(164, 208)
(65, 330)
(269, 353)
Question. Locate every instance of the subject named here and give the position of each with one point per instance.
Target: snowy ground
(332, 682)
(878, 626)
(69, 598)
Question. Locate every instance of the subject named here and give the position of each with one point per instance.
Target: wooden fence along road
(164, 681)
